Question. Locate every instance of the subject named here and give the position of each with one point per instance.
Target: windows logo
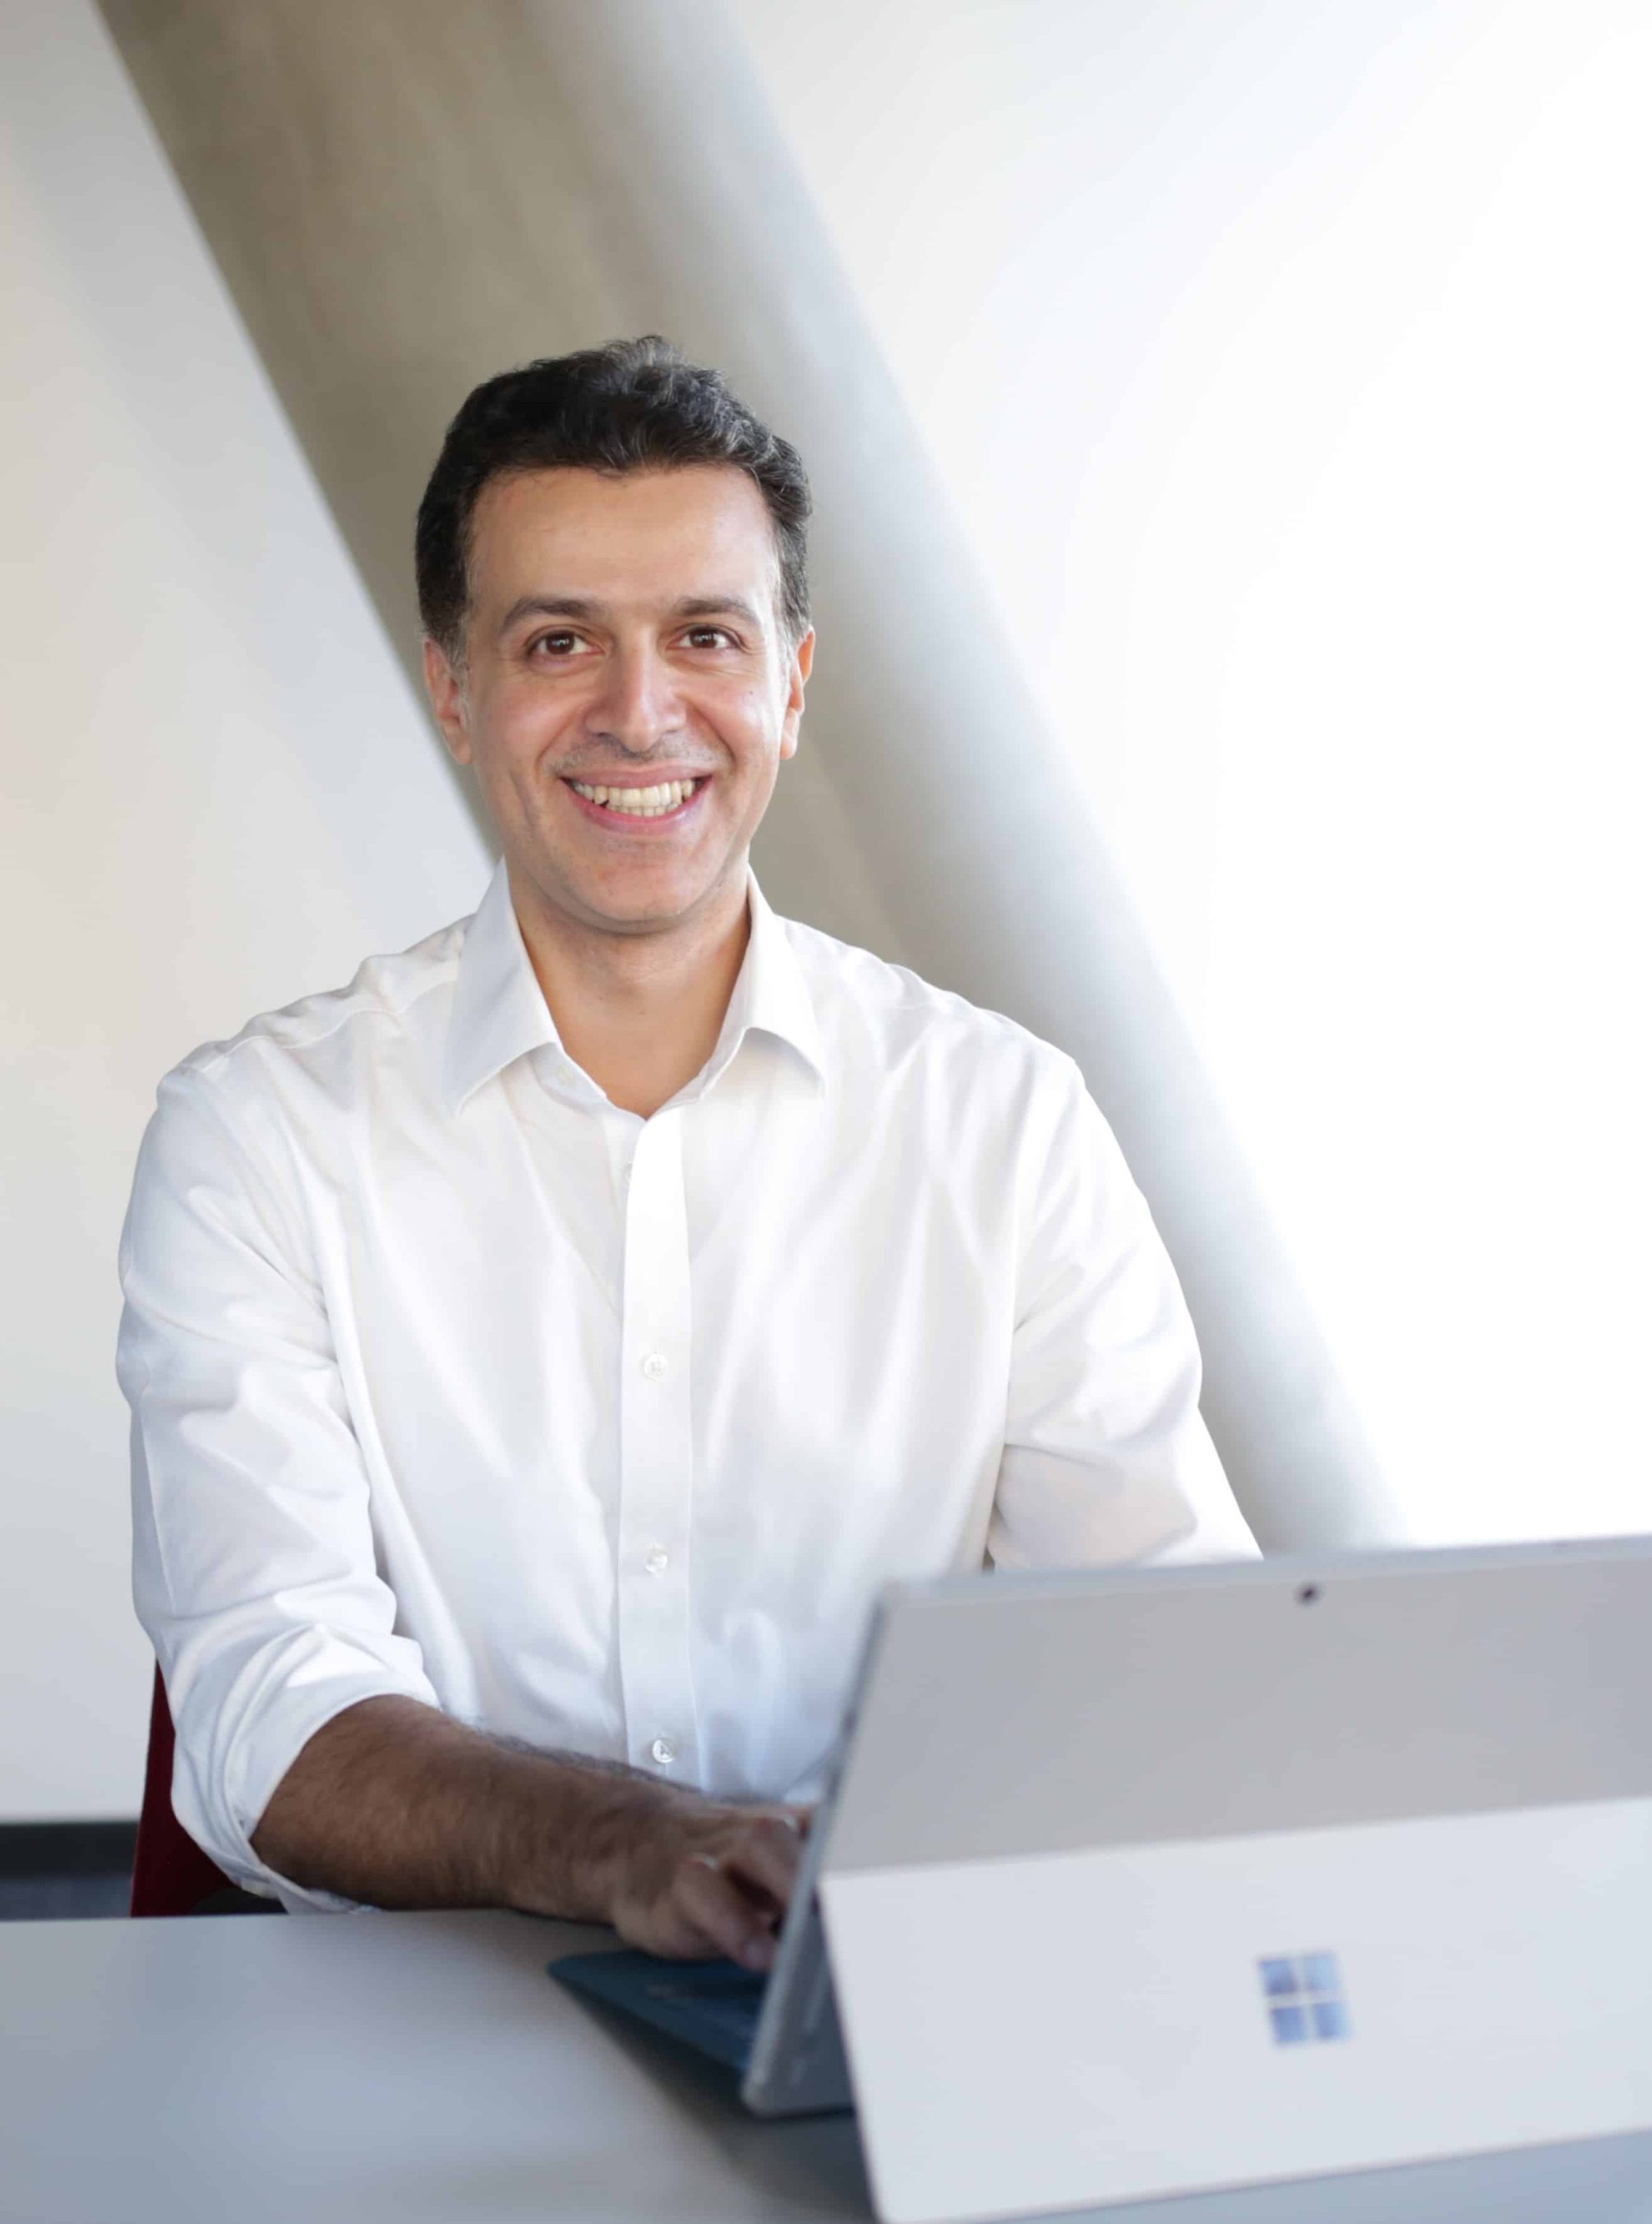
(1304, 1997)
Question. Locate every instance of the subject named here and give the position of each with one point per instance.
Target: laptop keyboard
(713, 2005)
(727, 2000)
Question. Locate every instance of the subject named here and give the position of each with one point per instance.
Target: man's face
(623, 636)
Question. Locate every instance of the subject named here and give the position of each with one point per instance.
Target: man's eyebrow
(549, 606)
(586, 608)
(717, 606)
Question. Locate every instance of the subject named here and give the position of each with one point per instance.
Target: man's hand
(703, 1879)
(395, 1805)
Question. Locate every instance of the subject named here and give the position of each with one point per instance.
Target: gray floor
(56, 1871)
(56, 1899)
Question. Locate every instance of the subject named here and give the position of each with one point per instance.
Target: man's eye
(558, 641)
(720, 634)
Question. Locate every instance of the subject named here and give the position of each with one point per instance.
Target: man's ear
(447, 701)
(802, 664)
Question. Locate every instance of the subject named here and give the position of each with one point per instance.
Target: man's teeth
(640, 802)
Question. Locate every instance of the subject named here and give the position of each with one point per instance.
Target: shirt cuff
(293, 1702)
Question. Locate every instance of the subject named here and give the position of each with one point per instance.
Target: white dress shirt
(451, 1378)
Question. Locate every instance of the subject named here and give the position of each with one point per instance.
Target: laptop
(1153, 1881)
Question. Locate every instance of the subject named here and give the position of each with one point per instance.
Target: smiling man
(541, 1350)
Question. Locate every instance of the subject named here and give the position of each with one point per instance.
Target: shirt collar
(771, 995)
(499, 1013)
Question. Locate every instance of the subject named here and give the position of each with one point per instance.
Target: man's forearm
(396, 1805)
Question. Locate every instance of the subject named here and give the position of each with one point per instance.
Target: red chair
(170, 1874)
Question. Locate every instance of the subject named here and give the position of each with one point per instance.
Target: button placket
(655, 1458)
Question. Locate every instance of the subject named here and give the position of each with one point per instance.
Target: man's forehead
(696, 530)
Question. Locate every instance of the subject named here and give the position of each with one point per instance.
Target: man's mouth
(663, 800)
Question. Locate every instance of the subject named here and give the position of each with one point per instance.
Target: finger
(766, 1851)
(796, 1816)
(714, 1903)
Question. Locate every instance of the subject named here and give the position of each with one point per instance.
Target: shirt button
(658, 1560)
(663, 1751)
(656, 1365)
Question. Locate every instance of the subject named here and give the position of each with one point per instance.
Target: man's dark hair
(633, 405)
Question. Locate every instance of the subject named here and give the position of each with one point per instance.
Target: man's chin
(651, 897)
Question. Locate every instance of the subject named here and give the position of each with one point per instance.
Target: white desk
(422, 2070)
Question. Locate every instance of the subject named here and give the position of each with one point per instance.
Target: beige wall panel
(217, 794)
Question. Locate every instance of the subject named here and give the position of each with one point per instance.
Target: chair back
(170, 1874)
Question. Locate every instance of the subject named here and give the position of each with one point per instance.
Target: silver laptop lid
(1155, 1881)
(1008, 1715)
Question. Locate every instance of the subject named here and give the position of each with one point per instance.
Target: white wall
(217, 796)
(1288, 366)
(1327, 559)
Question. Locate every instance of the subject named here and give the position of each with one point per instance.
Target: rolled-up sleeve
(254, 1569)
(1106, 1457)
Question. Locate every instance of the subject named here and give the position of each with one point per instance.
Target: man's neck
(641, 1013)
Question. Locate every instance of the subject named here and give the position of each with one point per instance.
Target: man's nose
(638, 704)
